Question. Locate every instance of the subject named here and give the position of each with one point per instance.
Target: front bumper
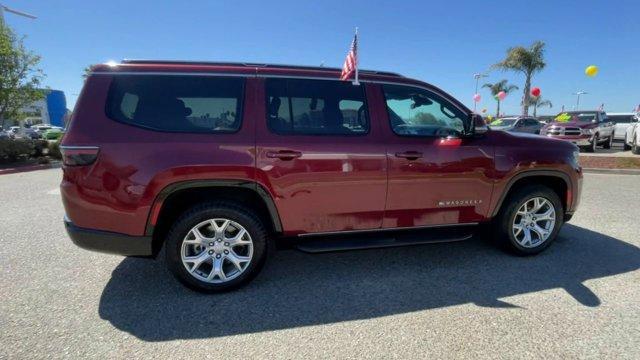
(580, 140)
(109, 242)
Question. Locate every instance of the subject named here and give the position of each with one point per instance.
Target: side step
(382, 239)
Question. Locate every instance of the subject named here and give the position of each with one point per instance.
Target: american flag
(351, 62)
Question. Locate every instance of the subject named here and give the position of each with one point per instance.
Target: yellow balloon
(591, 70)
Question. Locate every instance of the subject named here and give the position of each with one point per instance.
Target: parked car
(621, 122)
(29, 133)
(40, 128)
(632, 137)
(624, 126)
(587, 129)
(517, 124)
(216, 162)
(54, 133)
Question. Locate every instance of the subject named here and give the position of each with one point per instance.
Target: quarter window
(316, 107)
(418, 112)
(196, 104)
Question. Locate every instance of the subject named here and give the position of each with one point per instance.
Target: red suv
(218, 161)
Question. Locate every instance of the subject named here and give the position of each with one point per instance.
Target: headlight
(575, 159)
(587, 131)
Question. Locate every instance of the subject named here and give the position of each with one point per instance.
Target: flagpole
(355, 82)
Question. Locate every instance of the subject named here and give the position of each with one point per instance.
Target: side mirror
(479, 125)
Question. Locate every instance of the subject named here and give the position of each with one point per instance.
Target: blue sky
(443, 43)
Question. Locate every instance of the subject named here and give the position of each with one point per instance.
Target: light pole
(13, 11)
(578, 94)
(477, 77)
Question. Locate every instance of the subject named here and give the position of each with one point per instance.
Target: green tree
(495, 88)
(527, 61)
(20, 76)
(537, 102)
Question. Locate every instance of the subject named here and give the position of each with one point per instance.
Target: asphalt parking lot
(578, 299)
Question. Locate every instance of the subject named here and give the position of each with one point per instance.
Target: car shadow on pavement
(298, 289)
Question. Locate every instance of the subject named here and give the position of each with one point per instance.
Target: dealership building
(52, 109)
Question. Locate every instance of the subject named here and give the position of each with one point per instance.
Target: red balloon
(535, 91)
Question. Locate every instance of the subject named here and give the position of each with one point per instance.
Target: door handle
(409, 155)
(284, 154)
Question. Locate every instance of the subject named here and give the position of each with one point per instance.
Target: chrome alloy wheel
(534, 222)
(217, 250)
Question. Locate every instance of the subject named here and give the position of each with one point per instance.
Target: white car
(622, 121)
(632, 136)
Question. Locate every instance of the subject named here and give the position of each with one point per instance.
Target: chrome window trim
(255, 75)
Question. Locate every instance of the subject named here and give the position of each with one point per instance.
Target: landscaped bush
(41, 148)
(54, 150)
(15, 150)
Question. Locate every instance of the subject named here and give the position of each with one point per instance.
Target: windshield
(504, 122)
(576, 116)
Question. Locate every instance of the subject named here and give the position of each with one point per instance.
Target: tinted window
(621, 119)
(531, 122)
(417, 112)
(316, 107)
(177, 103)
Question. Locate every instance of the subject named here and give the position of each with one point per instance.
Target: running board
(375, 240)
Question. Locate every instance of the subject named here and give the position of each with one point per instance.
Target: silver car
(517, 124)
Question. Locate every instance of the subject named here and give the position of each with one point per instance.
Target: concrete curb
(611, 171)
(19, 169)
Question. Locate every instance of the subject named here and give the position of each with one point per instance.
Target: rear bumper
(109, 242)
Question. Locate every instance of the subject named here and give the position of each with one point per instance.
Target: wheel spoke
(547, 215)
(237, 260)
(218, 270)
(198, 237)
(220, 229)
(237, 240)
(517, 227)
(197, 260)
(542, 233)
(527, 237)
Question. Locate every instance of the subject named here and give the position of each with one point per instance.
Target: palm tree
(538, 102)
(527, 61)
(495, 88)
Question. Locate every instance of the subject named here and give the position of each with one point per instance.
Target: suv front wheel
(531, 220)
(216, 247)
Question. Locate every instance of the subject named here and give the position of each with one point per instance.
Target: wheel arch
(556, 180)
(175, 198)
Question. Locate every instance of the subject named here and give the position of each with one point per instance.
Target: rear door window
(316, 107)
(198, 104)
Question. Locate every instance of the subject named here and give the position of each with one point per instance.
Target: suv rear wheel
(216, 247)
(608, 143)
(531, 220)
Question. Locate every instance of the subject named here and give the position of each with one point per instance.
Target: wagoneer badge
(445, 203)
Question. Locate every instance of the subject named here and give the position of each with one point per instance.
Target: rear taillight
(79, 155)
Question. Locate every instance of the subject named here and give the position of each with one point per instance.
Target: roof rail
(247, 64)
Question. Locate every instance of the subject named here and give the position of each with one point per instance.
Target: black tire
(592, 146)
(206, 211)
(635, 148)
(625, 146)
(503, 223)
(608, 143)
